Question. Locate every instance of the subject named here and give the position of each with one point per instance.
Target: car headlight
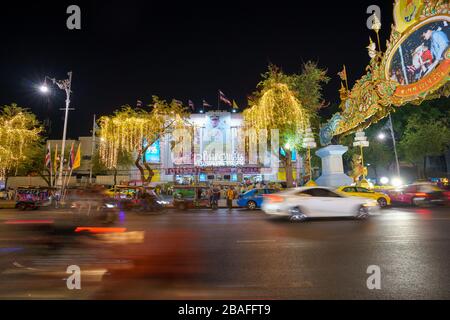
(110, 205)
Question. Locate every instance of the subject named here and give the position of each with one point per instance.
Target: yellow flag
(77, 161)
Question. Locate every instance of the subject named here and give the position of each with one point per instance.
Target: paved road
(238, 254)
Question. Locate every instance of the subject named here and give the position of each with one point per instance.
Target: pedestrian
(230, 197)
(210, 195)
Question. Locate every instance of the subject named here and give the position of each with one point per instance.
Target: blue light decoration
(203, 177)
(153, 154)
(294, 154)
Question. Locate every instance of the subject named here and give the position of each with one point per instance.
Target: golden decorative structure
(376, 94)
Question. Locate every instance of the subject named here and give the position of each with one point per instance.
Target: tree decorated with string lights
(135, 130)
(278, 104)
(19, 133)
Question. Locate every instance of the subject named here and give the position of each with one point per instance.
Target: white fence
(14, 182)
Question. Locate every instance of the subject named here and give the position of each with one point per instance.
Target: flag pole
(70, 164)
(218, 100)
(92, 151)
(56, 163)
(67, 183)
(51, 167)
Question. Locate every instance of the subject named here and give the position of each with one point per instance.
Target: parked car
(253, 199)
(383, 199)
(301, 203)
(418, 194)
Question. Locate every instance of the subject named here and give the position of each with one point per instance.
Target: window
(323, 193)
(259, 192)
(363, 190)
(349, 189)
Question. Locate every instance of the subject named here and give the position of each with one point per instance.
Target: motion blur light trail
(30, 222)
(100, 230)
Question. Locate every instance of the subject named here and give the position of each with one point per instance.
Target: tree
(124, 160)
(19, 136)
(134, 130)
(277, 104)
(422, 139)
(308, 86)
(34, 164)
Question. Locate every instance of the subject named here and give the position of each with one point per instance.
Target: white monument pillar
(332, 167)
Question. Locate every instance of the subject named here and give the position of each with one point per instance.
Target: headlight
(110, 205)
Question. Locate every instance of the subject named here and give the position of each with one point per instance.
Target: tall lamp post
(381, 136)
(66, 86)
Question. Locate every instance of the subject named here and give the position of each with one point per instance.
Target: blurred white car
(302, 203)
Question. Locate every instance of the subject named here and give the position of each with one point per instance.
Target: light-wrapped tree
(19, 134)
(135, 130)
(277, 105)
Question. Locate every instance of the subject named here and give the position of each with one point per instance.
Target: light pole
(63, 85)
(381, 136)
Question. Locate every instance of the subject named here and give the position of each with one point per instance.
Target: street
(235, 254)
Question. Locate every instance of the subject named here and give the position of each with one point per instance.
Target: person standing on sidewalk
(230, 197)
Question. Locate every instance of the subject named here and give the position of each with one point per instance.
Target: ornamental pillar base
(332, 167)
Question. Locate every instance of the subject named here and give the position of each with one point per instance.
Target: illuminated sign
(153, 153)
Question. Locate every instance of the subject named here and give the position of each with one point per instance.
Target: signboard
(420, 62)
(217, 142)
(153, 153)
(205, 171)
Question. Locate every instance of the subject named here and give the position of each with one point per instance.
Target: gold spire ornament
(376, 26)
(343, 93)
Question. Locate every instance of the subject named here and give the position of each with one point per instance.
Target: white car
(301, 203)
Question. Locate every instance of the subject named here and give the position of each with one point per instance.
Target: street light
(63, 85)
(44, 88)
(381, 136)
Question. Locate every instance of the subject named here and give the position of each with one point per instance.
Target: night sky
(130, 50)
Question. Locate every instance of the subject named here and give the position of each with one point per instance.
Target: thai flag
(191, 105)
(48, 157)
(206, 104)
(224, 98)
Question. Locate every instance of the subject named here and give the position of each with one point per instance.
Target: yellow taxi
(382, 199)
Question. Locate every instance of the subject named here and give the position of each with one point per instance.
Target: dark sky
(129, 50)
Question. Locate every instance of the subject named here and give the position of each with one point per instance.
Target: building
(212, 151)
(216, 154)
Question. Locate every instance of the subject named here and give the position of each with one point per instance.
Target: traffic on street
(224, 254)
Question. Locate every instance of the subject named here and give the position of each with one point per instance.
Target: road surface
(236, 254)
